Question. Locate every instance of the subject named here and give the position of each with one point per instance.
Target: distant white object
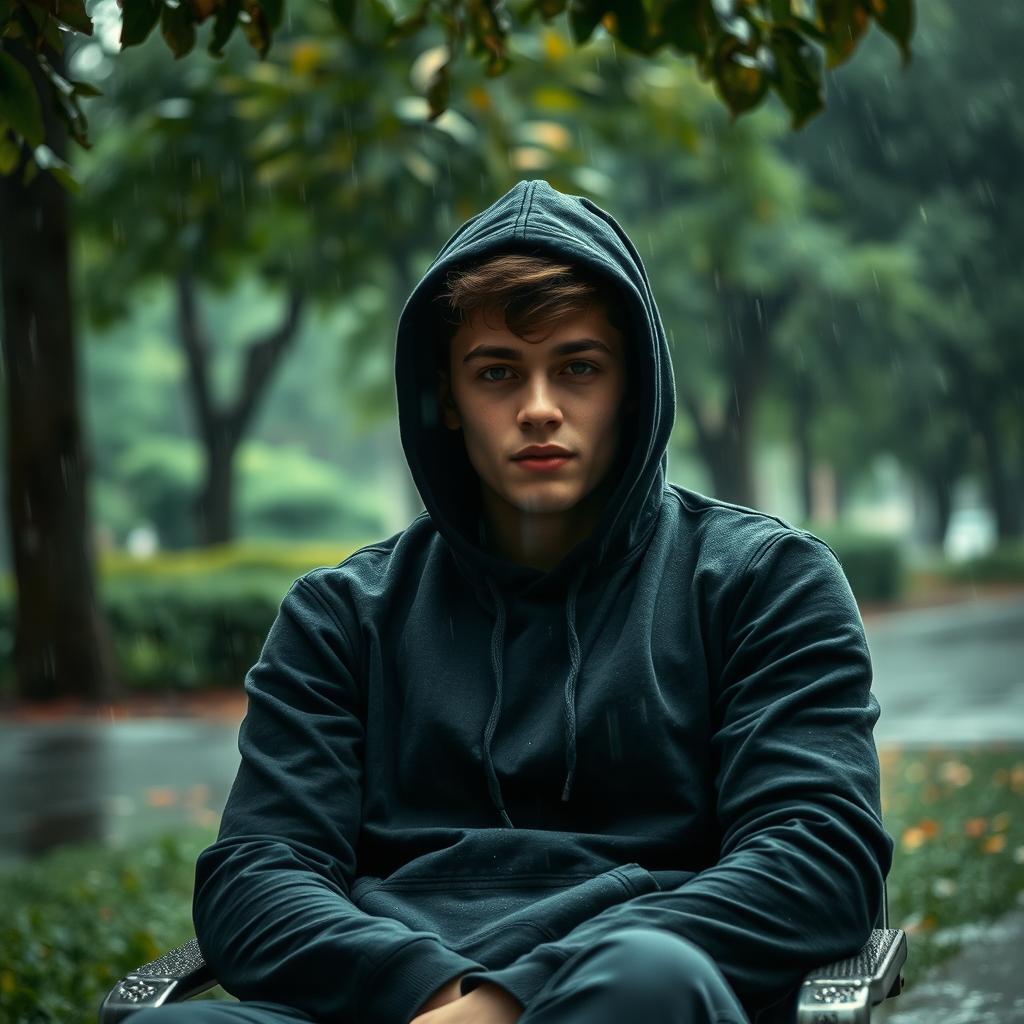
(971, 532)
(142, 541)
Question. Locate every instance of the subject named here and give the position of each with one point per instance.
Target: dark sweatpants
(643, 974)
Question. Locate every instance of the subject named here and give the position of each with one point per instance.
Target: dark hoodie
(453, 764)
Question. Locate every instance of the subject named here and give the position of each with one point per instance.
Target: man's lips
(543, 464)
(551, 453)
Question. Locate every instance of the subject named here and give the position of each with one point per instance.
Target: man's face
(565, 389)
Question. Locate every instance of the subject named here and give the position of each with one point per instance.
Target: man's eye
(580, 362)
(489, 370)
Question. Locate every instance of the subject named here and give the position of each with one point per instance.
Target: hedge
(1003, 564)
(873, 562)
(193, 619)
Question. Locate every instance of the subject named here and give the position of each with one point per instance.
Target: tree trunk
(726, 447)
(61, 645)
(1003, 485)
(803, 401)
(215, 505)
(726, 453)
(940, 489)
(222, 429)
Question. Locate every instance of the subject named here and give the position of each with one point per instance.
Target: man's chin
(541, 497)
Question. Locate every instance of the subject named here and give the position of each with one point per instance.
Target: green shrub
(286, 493)
(81, 917)
(873, 562)
(1004, 564)
(191, 619)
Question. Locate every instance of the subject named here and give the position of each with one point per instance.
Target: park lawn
(80, 917)
(956, 817)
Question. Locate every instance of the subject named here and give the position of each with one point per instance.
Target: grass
(959, 860)
(77, 919)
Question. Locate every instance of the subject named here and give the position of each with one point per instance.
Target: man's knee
(655, 971)
(653, 960)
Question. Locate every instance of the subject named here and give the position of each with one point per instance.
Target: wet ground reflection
(79, 781)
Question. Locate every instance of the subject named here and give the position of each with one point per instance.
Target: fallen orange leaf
(975, 826)
(994, 844)
(913, 837)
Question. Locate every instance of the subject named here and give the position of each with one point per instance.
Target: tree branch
(197, 349)
(262, 359)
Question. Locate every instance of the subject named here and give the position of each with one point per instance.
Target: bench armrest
(177, 975)
(844, 992)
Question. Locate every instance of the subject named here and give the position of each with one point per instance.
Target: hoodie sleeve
(803, 853)
(271, 904)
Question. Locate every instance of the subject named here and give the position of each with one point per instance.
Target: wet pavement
(982, 984)
(81, 781)
(950, 675)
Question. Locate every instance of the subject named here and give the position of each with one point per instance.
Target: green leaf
(344, 13)
(85, 88)
(843, 22)
(19, 102)
(798, 81)
(631, 26)
(584, 17)
(138, 17)
(224, 22)
(177, 28)
(66, 100)
(740, 76)
(896, 19)
(255, 27)
(685, 24)
(806, 28)
(439, 91)
(72, 13)
(47, 160)
(10, 153)
(47, 26)
(273, 11)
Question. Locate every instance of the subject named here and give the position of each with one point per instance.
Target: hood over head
(533, 217)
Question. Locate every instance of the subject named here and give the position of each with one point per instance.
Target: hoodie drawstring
(497, 650)
(570, 682)
(497, 657)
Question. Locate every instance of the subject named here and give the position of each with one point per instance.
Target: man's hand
(486, 1004)
(447, 993)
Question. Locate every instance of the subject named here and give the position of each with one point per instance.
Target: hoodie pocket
(495, 919)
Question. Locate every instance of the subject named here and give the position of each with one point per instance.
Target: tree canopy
(746, 48)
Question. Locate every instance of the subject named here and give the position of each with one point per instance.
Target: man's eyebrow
(565, 348)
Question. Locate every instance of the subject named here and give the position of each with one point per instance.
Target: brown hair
(532, 291)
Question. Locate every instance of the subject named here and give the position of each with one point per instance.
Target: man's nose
(540, 402)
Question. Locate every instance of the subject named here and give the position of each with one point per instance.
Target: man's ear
(449, 411)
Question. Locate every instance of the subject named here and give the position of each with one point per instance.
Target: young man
(578, 745)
